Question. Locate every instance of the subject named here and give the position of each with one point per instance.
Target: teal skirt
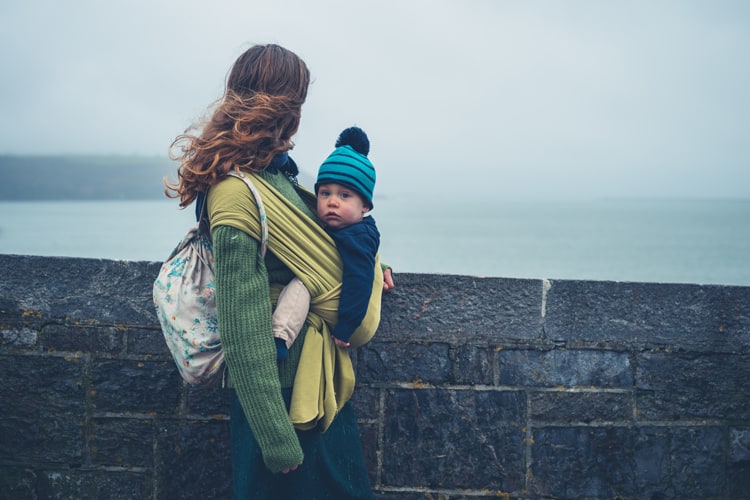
(334, 465)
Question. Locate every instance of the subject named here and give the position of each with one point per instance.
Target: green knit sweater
(244, 310)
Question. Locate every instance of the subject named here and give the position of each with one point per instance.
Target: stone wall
(472, 388)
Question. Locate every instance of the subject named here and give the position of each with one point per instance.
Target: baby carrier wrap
(325, 377)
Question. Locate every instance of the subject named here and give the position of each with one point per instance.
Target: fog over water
(516, 99)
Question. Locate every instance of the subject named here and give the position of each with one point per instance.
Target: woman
(251, 130)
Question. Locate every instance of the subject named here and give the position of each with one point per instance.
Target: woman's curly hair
(254, 121)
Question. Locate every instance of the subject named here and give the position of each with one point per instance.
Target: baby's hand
(388, 280)
(341, 343)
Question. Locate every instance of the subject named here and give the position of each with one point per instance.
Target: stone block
(16, 310)
(690, 317)
(652, 462)
(195, 459)
(42, 409)
(582, 462)
(469, 308)
(47, 437)
(366, 402)
(673, 386)
(697, 462)
(85, 338)
(17, 482)
(121, 442)
(454, 439)
(15, 338)
(93, 484)
(680, 462)
(135, 386)
(52, 384)
(370, 447)
(473, 365)
(738, 480)
(564, 407)
(208, 401)
(147, 341)
(565, 368)
(74, 289)
(739, 445)
(394, 362)
(738, 468)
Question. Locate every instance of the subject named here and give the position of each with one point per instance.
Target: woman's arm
(244, 310)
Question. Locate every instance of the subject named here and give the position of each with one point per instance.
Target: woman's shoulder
(232, 190)
(232, 194)
(229, 192)
(228, 184)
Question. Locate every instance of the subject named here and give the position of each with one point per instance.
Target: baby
(344, 190)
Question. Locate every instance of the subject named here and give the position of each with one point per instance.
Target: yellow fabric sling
(325, 376)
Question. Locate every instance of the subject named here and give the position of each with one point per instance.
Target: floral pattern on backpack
(184, 297)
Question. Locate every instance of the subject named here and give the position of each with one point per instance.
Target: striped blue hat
(352, 169)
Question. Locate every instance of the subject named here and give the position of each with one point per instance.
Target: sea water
(678, 241)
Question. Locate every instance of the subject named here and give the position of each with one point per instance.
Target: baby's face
(340, 206)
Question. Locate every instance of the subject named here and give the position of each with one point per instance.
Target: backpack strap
(261, 210)
(201, 215)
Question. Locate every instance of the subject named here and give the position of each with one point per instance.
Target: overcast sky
(527, 98)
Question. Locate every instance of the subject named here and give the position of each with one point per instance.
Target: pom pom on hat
(349, 166)
(356, 138)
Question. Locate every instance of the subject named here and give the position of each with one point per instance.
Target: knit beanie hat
(349, 166)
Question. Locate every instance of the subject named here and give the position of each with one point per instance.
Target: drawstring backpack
(184, 297)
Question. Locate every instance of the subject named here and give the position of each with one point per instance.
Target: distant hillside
(83, 177)
(87, 177)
